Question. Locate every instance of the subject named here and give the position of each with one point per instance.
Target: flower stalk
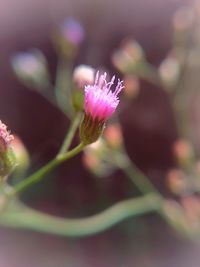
(37, 176)
(71, 132)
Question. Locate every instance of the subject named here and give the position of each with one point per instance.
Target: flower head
(7, 157)
(100, 103)
(5, 137)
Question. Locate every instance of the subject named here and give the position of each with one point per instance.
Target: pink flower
(100, 101)
(5, 137)
(7, 157)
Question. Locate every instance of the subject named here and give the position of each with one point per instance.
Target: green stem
(150, 74)
(24, 217)
(63, 83)
(38, 175)
(72, 129)
(134, 174)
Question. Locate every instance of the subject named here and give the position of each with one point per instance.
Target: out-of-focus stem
(134, 174)
(63, 83)
(181, 104)
(150, 74)
(24, 217)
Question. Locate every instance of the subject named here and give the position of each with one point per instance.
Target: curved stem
(24, 217)
(38, 175)
(72, 129)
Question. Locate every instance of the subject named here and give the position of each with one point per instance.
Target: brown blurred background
(148, 127)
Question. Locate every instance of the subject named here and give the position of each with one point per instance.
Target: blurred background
(148, 125)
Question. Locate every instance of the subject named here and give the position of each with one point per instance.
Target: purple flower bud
(73, 31)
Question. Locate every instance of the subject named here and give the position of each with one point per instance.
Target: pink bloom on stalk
(100, 101)
(5, 137)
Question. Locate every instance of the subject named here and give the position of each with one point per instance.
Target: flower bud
(183, 22)
(169, 71)
(129, 58)
(191, 205)
(175, 215)
(131, 86)
(31, 68)
(183, 19)
(90, 161)
(22, 157)
(92, 157)
(177, 182)
(7, 157)
(113, 135)
(96, 158)
(69, 37)
(184, 153)
(83, 75)
(72, 31)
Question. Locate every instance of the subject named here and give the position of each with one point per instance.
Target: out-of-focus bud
(73, 31)
(129, 58)
(113, 135)
(169, 71)
(95, 159)
(22, 157)
(31, 68)
(83, 75)
(175, 215)
(182, 23)
(131, 86)
(7, 157)
(91, 160)
(191, 205)
(176, 181)
(183, 19)
(69, 37)
(183, 152)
